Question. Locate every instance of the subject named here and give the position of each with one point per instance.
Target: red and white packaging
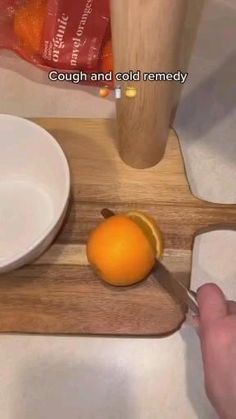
(72, 36)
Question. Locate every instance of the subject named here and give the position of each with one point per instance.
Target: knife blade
(176, 288)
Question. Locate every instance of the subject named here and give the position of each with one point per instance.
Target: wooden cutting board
(60, 294)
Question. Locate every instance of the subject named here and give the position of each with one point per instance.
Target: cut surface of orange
(151, 229)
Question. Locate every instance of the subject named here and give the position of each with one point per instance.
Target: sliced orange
(151, 229)
(123, 248)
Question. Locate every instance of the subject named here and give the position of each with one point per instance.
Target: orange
(107, 58)
(104, 91)
(29, 24)
(151, 229)
(123, 248)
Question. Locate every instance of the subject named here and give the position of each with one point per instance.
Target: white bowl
(34, 191)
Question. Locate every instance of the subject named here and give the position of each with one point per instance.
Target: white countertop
(114, 378)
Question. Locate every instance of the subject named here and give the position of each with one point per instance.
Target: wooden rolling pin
(146, 36)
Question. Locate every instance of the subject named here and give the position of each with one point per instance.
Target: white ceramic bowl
(34, 191)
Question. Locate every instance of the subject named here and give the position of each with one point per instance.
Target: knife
(176, 288)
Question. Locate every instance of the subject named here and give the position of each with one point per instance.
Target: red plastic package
(66, 35)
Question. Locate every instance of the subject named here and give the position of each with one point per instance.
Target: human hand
(217, 331)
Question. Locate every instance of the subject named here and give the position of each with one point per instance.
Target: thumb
(212, 304)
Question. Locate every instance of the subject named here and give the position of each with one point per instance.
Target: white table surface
(114, 378)
(91, 378)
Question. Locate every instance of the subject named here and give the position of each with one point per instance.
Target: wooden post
(146, 36)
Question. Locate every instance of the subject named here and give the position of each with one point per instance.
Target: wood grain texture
(147, 37)
(59, 293)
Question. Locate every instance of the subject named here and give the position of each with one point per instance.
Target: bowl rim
(61, 212)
